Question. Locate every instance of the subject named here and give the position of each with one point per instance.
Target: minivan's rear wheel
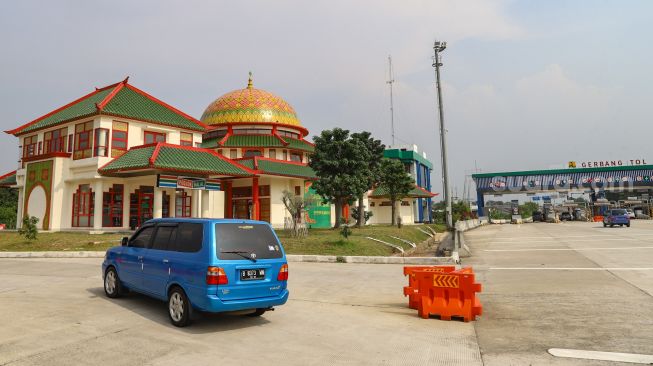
(178, 308)
(112, 285)
(258, 312)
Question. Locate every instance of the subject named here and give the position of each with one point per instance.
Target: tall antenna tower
(392, 111)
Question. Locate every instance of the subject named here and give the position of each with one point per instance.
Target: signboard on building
(607, 163)
(318, 214)
(173, 181)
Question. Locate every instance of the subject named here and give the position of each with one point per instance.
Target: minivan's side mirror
(124, 241)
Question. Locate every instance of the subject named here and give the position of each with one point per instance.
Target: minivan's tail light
(283, 273)
(216, 276)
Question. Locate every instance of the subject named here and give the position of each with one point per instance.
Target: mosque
(118, 156)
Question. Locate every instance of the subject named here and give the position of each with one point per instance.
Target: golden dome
(250, 105)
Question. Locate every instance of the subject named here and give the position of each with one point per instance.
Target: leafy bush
(29, 230)
(366, 215)
(345, 230)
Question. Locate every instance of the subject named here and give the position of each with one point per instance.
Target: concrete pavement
(567, 286)
(54, 312)
(570, 285)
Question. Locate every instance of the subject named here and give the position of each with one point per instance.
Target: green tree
(8, 206)
(296, 206)
(395, 182)
(340, 164)
(527, 209)
(375, 150)
(459, 211)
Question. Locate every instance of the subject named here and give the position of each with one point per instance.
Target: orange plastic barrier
(412, 289)
(444, 293)
(598, 218)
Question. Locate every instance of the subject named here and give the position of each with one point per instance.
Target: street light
(438, 47)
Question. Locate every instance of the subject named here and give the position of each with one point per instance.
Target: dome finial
(249, 82)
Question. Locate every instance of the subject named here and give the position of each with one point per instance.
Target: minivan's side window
(142, 238)
(164, 237)
(189, 238)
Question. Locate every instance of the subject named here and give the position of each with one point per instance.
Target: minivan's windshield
(246, 239)
(618, 212)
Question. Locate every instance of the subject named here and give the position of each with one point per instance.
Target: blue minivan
(617, 216)
(211, 265)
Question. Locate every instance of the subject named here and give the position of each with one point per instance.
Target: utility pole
(438, 47)
(392, 111)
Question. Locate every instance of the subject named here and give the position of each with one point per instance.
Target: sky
(526, 84)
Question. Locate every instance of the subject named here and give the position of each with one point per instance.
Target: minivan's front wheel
(178, 308)
(112, 285)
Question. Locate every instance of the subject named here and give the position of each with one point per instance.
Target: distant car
(631, 214)
(565, 216)
(617, 216)
(538, 216)
(210, 265)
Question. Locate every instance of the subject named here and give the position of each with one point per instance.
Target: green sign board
(319, 214)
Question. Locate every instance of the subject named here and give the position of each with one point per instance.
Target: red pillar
(228, 204)
(255, 199)
(345, 211)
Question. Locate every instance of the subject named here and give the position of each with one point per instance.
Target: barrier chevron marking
(445, 281)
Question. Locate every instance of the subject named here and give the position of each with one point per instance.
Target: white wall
(383, 214)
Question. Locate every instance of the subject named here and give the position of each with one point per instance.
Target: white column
(21, 203)
(97, 205)
(198, 202)
(173, 201)
(125, 205)
(206, 204)
(157, 208)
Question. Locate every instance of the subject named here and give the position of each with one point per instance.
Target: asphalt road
(569, 285)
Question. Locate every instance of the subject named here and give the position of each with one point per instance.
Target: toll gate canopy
(618, 178)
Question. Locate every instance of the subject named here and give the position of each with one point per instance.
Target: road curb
(78, 254)
(291, 258)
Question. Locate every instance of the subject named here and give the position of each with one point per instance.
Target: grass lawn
(319, 241)
(65, 241)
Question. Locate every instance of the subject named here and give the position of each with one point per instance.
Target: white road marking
(602, 356)
(571, 268)
(560, 237)
(553, 249)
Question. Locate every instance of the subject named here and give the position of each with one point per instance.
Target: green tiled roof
(252, 140)
(414, 193)
(210, 143)
(278, 167)
(121, 100)
(78, 109)
(258, 141)
(138, 157)
(173, 158)
(8, 179)
(131, 104)
(299, 144)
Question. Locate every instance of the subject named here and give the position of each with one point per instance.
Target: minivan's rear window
(618, 212)
(246, 238)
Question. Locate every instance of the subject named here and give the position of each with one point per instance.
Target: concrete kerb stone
(290, 257)
(52, 254)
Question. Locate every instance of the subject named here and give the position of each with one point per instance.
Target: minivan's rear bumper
(212, 303)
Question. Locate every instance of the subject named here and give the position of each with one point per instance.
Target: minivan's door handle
(166, 261)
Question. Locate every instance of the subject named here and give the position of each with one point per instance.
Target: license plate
(252, 274)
